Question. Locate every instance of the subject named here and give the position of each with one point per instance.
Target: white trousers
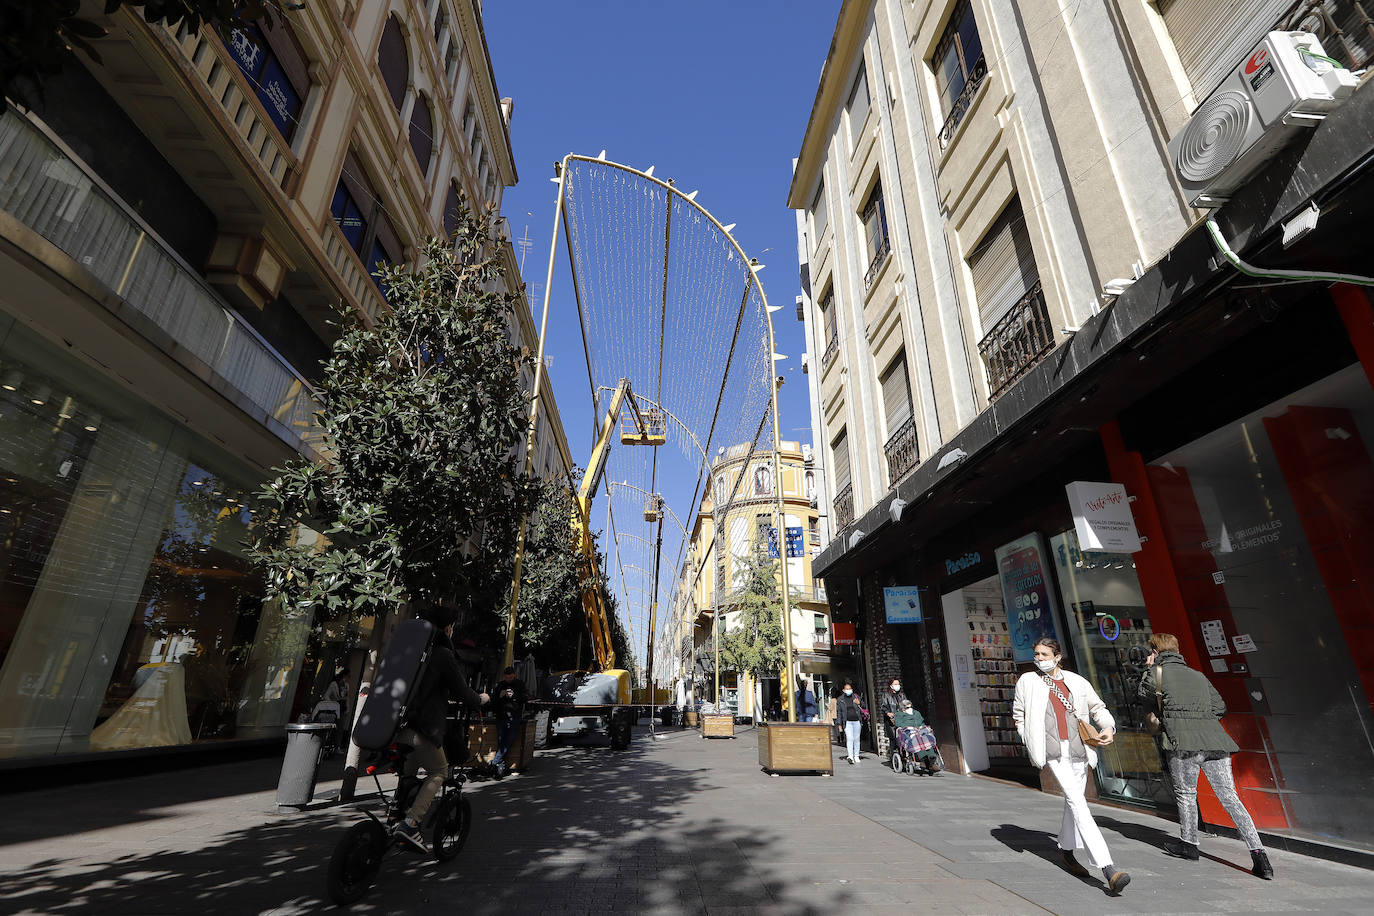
(1078, 830)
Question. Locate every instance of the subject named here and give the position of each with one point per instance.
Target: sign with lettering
(903, 604)
(1031, 608)
(794, 542)
(967, 561)
(1102, 517)
(843, 634)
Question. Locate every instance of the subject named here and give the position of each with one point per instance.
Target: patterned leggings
(1184, 767)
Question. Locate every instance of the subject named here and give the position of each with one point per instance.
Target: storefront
(130, 615)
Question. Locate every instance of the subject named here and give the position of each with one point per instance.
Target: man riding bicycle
(426, 726)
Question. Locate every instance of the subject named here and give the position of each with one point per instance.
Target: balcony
(843, 507)
(1018, 341)
(881, 249)
(832, 348)
(977, 74)
(810, 593)
(821, 640)
(58, 198)
(901, 452)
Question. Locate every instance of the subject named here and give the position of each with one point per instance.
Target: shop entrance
(984, 675)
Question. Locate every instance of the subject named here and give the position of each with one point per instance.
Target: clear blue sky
(713, 94)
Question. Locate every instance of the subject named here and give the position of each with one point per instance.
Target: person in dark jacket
(426, 726)
(891, 703)
(849, 716)
(1191, 709)
(508, 703)
(806, 703)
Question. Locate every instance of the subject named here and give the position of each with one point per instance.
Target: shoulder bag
(1086, 730)
(1154, 719)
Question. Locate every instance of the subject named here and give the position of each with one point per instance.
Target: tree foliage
(752, 644)
(40, 37)
(550, 574)
(424, 418)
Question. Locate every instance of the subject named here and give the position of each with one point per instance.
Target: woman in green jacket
(1191, 709)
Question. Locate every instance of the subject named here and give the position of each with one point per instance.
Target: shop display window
(994, 670)
(130, 615)
(1109, 627)
(1267, 525)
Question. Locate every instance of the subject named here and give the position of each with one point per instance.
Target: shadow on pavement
(1046, 846)
(585, 829)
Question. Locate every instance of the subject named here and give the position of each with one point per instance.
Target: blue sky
(713, 94)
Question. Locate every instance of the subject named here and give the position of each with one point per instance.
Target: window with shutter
(820, 215)
(1213, 36)
(1003, 266)
(394, 62)
(451, 205)
(828, 314)
(840, 457)
(896, 395)
(858, 104)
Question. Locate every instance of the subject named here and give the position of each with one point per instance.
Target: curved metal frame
(780, 514)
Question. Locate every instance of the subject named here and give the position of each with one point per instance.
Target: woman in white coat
(1049, 703)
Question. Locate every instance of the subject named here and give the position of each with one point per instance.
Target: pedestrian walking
(849, 713)
(806, 702)
(1190, 710)
(891, 704)
(1054, 709)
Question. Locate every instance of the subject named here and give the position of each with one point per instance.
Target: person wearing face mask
(890, 705)
(1190, 710)
(1048, 706)
(908, 717)
(849, 715)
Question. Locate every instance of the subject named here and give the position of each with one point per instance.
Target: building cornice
(829, 97)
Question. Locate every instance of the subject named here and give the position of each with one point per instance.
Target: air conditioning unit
(1286, 84)
(807, 454)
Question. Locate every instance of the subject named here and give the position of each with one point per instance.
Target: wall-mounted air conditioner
(807, 454)
(1286, 84)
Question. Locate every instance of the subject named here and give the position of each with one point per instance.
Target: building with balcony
(175, 224)
(1010, 291)
(736, 524)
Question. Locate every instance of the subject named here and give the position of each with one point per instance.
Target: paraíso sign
(967, 561)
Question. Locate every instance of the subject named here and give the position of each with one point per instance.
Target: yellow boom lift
(599, 699)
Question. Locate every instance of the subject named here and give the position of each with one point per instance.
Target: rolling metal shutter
(1003, 266)
(841, 450)
(896, 396)
(1213, 36)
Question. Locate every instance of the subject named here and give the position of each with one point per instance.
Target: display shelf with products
(995, 675)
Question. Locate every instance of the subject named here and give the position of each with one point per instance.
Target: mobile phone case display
(995, 677)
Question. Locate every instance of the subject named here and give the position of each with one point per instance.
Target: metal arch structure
(667, 298)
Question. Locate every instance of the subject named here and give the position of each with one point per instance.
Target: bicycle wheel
(356, 861)
(451, 825)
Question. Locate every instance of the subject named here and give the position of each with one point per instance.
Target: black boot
(1262, 867)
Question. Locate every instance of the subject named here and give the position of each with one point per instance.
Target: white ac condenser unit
(1286, 84)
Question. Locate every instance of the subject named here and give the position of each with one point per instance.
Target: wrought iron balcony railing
(843, 507)
(821, 640)
(1018, 341)
(901, 451)
(832, 348)
(875, 264)
(810, 593)
(976, 75)
(62, 200)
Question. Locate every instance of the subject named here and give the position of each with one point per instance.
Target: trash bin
(305, 743)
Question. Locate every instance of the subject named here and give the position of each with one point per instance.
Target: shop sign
(1102, 517)
(1026, 593)
(967, 561)
(842, 634)
(903, 604)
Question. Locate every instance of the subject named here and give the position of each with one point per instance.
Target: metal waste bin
(305, 743)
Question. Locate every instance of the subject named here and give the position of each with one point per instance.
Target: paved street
(680, 825)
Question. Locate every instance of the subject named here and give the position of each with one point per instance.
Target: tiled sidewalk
(680, 825)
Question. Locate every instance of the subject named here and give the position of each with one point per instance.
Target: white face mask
(848, 693)
(906, 709)
(896, 688)
(1046, 664)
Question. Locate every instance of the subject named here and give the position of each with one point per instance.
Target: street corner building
(176, 225)
(1090, 357)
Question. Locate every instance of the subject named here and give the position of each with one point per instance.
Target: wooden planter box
(718, 726)
(482, 745)
(691, 718)
(795, 747)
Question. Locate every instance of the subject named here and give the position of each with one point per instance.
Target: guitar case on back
(393, 688)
